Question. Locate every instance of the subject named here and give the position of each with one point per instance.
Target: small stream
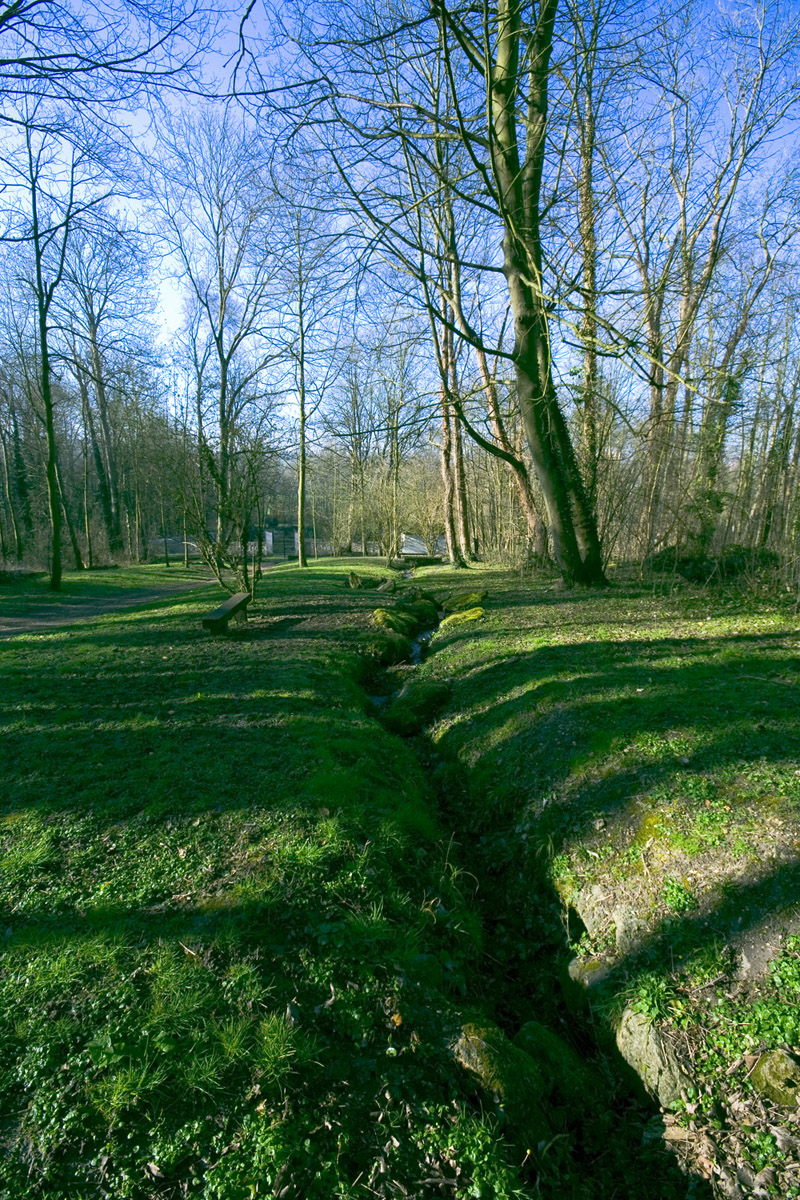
(420, 646)
(618, 1146)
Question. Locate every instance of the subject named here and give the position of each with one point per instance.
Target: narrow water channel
(609, 1152)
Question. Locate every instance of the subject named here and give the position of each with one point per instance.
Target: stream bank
(545, 1066)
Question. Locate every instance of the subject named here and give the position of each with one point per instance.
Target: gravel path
(43, 617)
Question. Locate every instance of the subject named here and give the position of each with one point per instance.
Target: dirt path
(39, 618)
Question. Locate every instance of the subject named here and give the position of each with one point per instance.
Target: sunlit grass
(203, 841)
(223, 881)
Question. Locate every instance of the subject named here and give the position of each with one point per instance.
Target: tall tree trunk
(587, 215)
(73, 537)
(448, 485)
(573, 529)
(87, 521)
(461, 505)
(109, 455)
(53, 494)
(707, 502)
(302, 561)
(513, 459)
(103, 490)
(18, 543)
(21, 476)
(502, 448)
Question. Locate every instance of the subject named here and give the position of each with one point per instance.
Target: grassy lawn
(21, 592)
(242, 920)
(627, 765)
(223, 973)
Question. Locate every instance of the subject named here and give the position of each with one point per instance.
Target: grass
(217, 876)
(242, 920)
(24, 594)
(634, 758)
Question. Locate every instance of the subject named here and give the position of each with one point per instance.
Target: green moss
(652, 828)
(509, 1075)
(396, 620)
(460, 601)
(461, 618)
(386, 648)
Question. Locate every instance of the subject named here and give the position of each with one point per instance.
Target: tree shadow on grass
(362, 1061)
(256, 746)
(728, 704)
(570, 757)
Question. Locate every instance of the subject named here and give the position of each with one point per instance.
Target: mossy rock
(388, 585)
(424, 612)
(575, 1084)
(415, 706)
(461, 618)
(459, 601)
(777, 1075)
(387, 648)
(511, 1076)
(417, 593)
(652, 1058)
(394, 620)
(581, 980)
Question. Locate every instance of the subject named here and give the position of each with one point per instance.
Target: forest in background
(524, 276)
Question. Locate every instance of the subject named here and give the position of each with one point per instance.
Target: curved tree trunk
(576, 544)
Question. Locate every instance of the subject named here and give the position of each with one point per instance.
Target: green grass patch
(222, 961)
(241, 919)
(633, 756)
(19, 593)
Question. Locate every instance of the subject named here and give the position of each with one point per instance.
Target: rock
(417, 593)
(359, 582)
(424, 612)
(630, 929)
(387, 648)
(394, 619)
(459, 601)
(651, 1057)
(415, 706)
(575, 1084)
(460, 618)
(388, 585)
(579, 979)
(777, 1075)
(592, 908)
(511, 1076)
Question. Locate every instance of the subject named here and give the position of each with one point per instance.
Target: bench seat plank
(217, 621)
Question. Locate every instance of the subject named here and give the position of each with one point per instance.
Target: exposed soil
(40, 618)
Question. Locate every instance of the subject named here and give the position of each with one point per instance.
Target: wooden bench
(236, 606)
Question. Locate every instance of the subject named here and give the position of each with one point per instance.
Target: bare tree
(718, 95)
(495, 72)
(101, 313)
(97, 54)
(310, 303)
(214, 215)
(56, 176)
